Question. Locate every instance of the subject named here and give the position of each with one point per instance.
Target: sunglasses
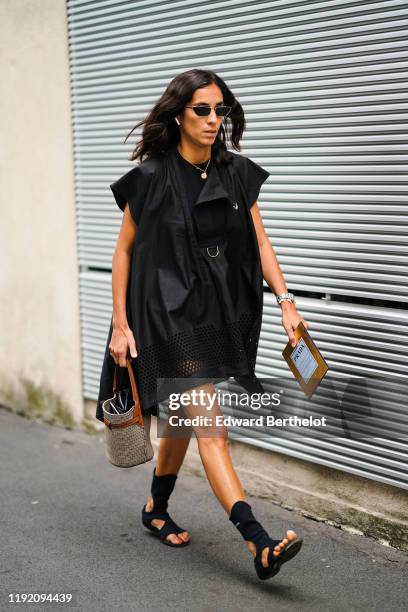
(203, 110)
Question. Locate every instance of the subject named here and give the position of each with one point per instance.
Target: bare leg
(172, 450)
(214, 452)
(170, 456)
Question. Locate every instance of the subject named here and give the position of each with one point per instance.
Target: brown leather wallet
(305, 361)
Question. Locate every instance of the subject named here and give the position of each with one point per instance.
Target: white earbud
(177, 121)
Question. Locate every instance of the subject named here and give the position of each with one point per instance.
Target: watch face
(289, 297)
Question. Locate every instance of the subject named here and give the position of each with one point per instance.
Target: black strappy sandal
(161, 489)
(252, 531)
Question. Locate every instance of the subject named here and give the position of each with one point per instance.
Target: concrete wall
(39, 304)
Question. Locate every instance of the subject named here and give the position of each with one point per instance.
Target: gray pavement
(70, 523)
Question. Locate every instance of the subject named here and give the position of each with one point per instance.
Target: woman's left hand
(291, 319)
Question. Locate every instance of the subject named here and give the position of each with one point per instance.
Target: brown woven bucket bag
(127, 434)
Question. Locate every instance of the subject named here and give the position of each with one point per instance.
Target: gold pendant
(204, 175)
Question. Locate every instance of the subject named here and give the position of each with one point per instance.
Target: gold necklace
(203, 172)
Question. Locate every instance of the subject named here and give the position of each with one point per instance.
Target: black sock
(161, 489)
(250, 529)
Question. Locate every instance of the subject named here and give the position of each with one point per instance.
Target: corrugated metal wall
(324, 87)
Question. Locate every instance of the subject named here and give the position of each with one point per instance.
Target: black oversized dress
(195, 292)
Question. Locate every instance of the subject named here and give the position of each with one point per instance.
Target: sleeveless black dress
(234, 296)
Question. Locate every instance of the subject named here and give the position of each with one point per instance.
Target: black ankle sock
(250, 529)
(161, 489)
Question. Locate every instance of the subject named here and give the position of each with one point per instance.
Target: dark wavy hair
(161, 132)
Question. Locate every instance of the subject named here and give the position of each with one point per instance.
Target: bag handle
(138, 416)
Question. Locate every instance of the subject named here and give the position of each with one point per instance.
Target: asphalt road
(70, 523)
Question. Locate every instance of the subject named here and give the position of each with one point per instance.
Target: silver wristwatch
(285, 296)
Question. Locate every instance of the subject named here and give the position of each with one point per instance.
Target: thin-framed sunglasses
(203, 110)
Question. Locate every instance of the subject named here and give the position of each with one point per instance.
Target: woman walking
(187, 284)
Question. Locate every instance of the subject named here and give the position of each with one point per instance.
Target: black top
(191, 177)
(210, 219)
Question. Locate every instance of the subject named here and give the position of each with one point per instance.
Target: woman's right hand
(122, 339)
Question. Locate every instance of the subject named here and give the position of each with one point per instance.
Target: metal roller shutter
(324, 89)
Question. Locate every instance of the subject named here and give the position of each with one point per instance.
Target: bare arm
(273, 275)
(122, 335)
(270, 267)
(120, 267)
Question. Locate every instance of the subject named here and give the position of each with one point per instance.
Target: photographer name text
(259, 421)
